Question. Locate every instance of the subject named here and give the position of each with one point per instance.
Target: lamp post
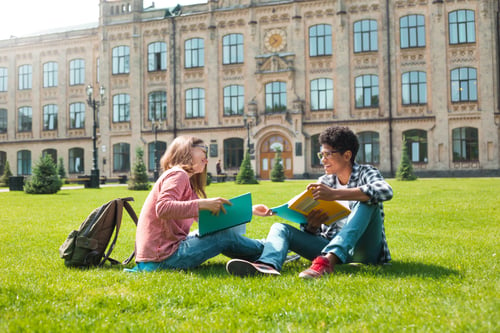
(94, 173)
(248, 123)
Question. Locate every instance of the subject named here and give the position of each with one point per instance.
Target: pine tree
(4, 180)
(61, 171)
(405, 169)
(45, 179)
(278, 172)
(139, 180)
(246, 174)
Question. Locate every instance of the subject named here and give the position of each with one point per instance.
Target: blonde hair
(179, 153)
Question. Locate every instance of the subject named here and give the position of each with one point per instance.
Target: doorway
(268, 153)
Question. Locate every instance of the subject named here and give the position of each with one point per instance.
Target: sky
(24, 17)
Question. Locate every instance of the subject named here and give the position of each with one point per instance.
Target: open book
(301, 205)
(239, 213)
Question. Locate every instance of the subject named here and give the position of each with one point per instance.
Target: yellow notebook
(301, 205)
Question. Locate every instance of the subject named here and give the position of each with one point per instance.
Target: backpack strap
(120, 203)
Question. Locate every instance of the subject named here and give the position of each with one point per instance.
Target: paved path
(73, 187)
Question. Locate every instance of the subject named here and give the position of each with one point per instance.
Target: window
(3, 120)
(465, 144)
(315, 148)
(50, 74)
(414, 88)
(157, 105)
(366, 91)
(24, 119)
(76, 72)
(233, 153)
(320, 40)
(76, 115)
(121, 108)
(52, 153)
(161, 146)
(50, 117)
(121, 157)
(195, 103)
(464, 84)
(3, 79)
(232, 49)
(157, 56)
(462, 27)
(275, 97)
(365, 36)
(369, 150)
(233, 100)
(412, 31)
(24, 163)
(76, 160)
(194, 53)
(121, 59)
(416, 145)
(3, 161)
(322, 94)
(25, 77)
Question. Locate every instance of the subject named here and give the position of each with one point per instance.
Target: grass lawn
(443, 235)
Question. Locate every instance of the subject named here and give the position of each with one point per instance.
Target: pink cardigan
(166, 217)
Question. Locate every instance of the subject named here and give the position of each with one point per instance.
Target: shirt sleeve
(373, 185)
(175, 198)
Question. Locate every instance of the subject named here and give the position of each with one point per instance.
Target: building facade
(260, 75)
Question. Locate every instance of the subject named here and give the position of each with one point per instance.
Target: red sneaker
(320, 266)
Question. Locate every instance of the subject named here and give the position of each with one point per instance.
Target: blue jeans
(194, 250)
(360, 240)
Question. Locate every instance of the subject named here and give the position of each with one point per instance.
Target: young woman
(163, 240)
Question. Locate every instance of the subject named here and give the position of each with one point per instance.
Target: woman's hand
(214, 205)
(261, 210)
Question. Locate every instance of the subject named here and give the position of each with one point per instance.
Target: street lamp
(94, 173)
(248, 123)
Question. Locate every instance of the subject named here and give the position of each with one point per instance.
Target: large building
(260, 75)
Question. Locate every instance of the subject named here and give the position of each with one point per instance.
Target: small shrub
(45, 179)
(4, 180)
(405, 169)
(278, 172)
(140, 179)
(246, 174)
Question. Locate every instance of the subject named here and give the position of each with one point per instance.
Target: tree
(405, 169)
(278, 172)
(61, 171)
(4, 180)
(45, 179)
(246, 174)
(139, 180)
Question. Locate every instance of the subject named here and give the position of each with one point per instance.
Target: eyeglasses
(327, 154)
(204, 148)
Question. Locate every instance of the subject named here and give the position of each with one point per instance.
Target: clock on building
(275, 40)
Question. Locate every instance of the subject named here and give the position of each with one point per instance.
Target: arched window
(157, 56)
(157, 101)
(121, 157)
(52, 153)
(24, 163)
(194, 53)
(121, 108)
(315, 148)
(232, 49)
(233, 153)
(76, 115)
(75, 160)
(3, 120)
(25, 119)
(50, 117)
(365, 36)
(366, 87)
(234, 100)
(412, 31)
(195, 103)
(276, 97)
(25, 77)
(461, 26)
(465, 144)
(464, 84)
(369, 148)
(416, 145)
(320, 40)
(160, 149)
(321, 94)
(76, 72)
(121, 60)
(414, 88)
(50, 74)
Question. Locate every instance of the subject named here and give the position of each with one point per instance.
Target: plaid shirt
(369, 180)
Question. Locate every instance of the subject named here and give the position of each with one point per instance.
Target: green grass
(443, 235)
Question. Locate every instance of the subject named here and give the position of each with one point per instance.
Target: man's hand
(315, 219)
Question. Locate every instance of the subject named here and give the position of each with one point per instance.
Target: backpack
(86, 246)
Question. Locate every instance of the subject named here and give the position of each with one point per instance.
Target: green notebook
(239, 213)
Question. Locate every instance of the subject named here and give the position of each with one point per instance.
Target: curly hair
(341, 139)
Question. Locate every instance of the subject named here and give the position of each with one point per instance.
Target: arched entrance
(268, 153)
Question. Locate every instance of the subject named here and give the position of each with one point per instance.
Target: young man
(360, 237)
